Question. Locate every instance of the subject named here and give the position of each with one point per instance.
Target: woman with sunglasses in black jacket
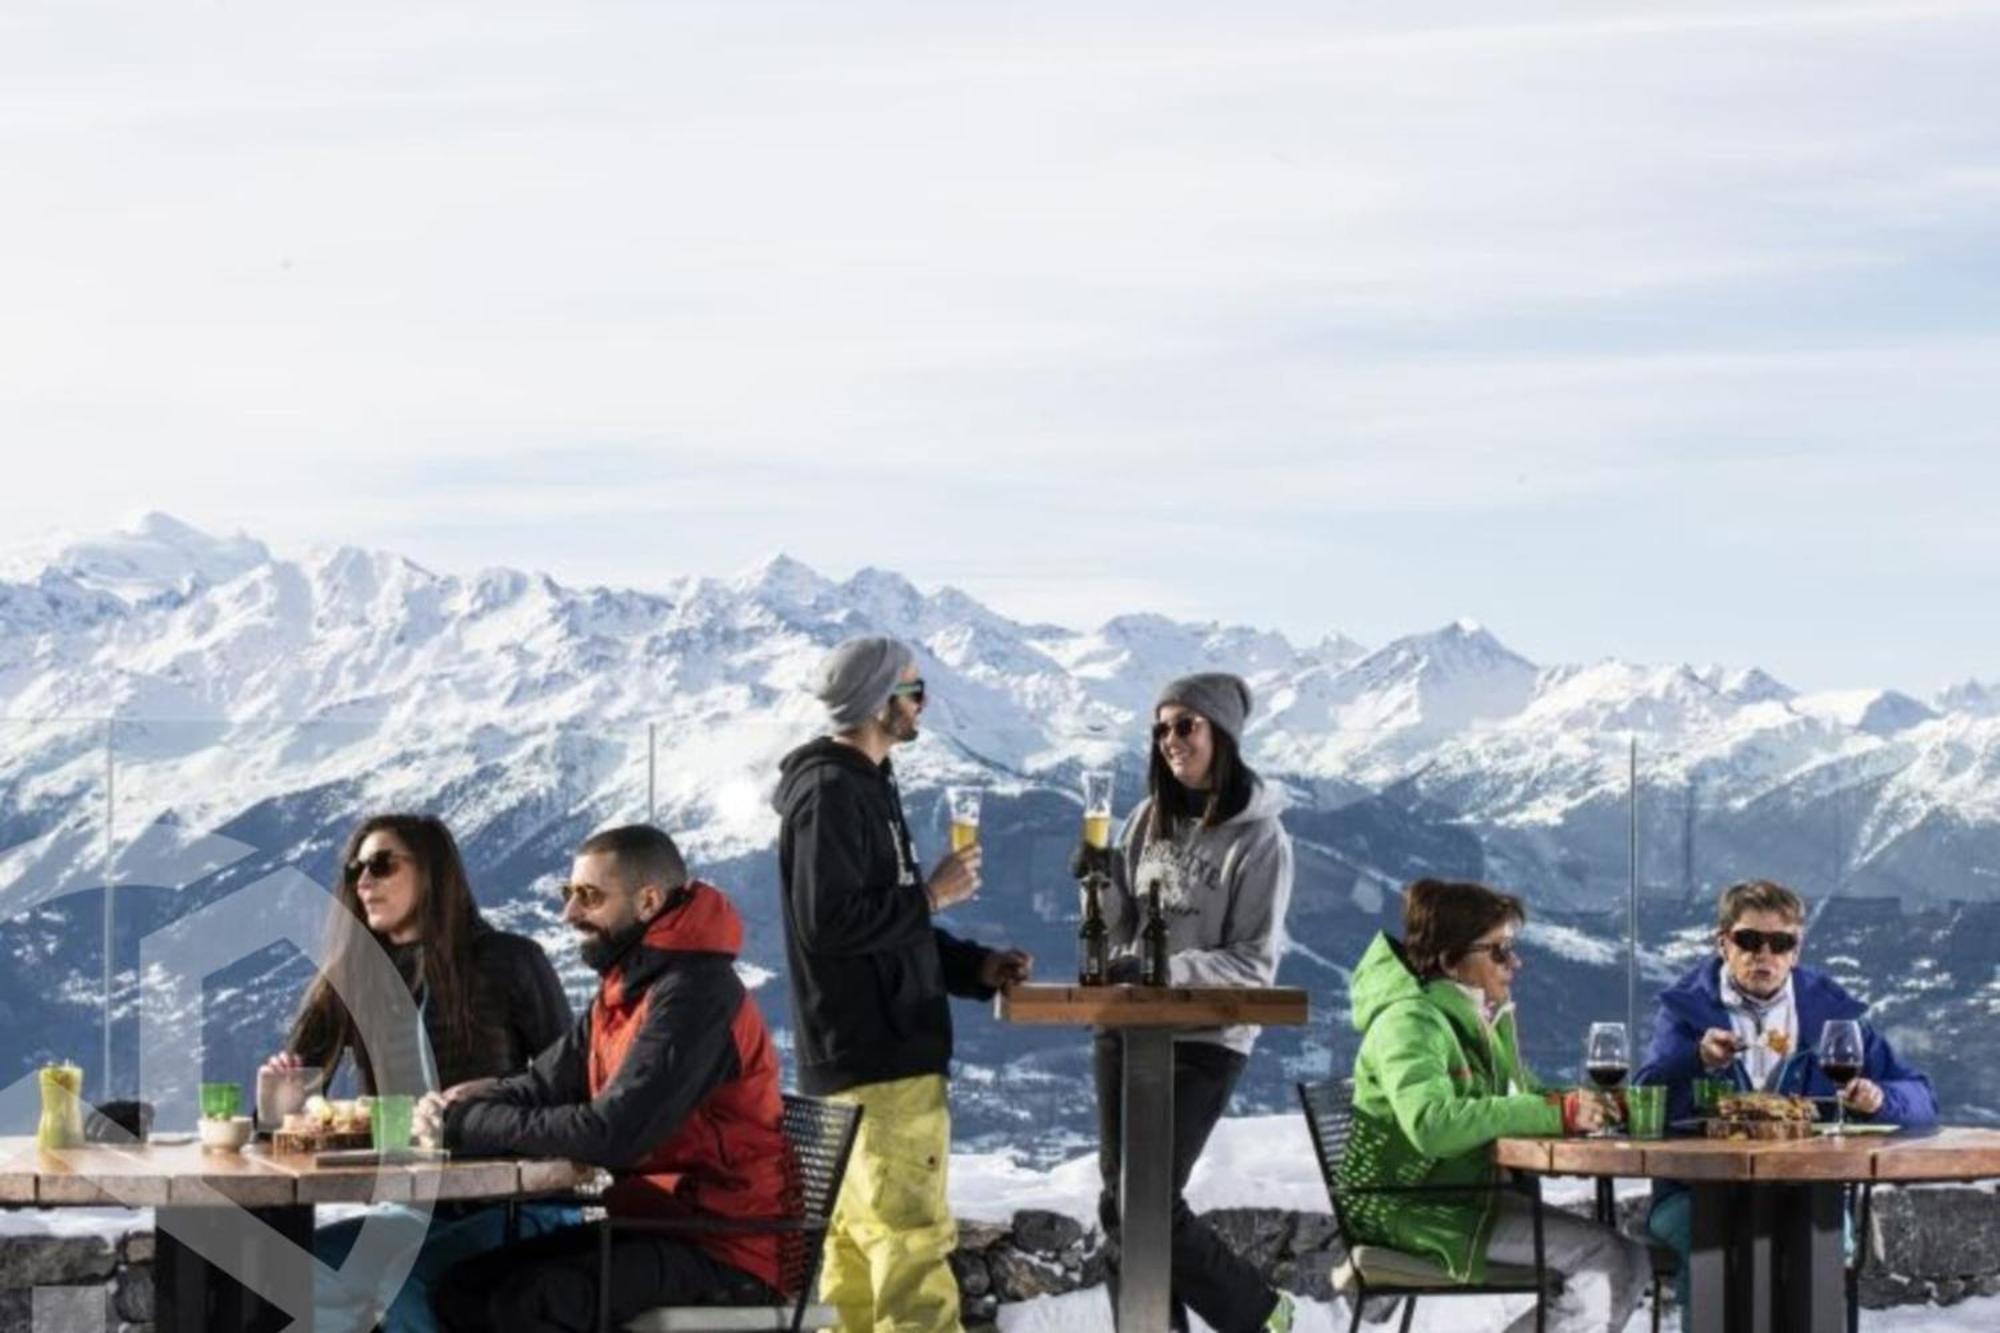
(484, 1001)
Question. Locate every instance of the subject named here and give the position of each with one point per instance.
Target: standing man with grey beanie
(1207, 838)
(871, 976)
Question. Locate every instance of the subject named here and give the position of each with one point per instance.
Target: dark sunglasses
(588, 896)
(1499, 951)
(1750, 941)
(1182, 726)
(379, 866)
(913, 690)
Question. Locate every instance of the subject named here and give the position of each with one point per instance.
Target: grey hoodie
(1224, 892)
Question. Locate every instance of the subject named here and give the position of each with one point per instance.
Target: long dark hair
(1230, 784)
(447, 919)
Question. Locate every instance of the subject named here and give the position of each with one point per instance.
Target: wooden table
(1768, 1217)
(1146, 1018)
(233, 1231)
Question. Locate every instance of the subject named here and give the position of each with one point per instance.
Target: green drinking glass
(1646, 1111)
(1709, 1091)
(220, 1101)
(389, 1122)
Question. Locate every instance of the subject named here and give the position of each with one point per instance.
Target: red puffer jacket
(670, 1081)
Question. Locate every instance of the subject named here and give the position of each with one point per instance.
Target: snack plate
(1856, 1128)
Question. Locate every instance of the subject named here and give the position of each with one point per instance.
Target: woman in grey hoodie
(1207, 837)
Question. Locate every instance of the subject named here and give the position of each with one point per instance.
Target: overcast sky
(1663, 330)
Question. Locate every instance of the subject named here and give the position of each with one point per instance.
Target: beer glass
(963, 802)
(1097, 810)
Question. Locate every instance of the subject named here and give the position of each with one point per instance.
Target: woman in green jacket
(1438, 1078)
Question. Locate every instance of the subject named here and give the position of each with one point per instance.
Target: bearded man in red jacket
(670, 1081)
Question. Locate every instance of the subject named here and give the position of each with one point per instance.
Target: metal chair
(819, 1136)
(1376, 1270)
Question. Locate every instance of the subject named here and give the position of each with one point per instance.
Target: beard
(601, 949)
(900, 721)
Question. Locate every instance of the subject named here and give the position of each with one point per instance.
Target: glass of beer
(963, 802)
(1097, 810)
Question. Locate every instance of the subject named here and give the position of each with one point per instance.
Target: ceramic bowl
(226, 1135)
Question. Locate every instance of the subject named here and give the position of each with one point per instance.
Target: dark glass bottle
(1093, 937)
(1153, 967)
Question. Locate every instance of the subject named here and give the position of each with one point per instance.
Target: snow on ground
(1259, 1161)
(1267, 1162)
(110, 1223)
(1090, 1312)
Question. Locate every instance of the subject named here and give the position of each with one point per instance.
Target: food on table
(324, 1125)
(1762, 1115)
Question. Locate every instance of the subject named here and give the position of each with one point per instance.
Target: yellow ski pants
(886, 1267)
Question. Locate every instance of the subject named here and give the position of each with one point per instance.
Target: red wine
(1841, 1072)
(1606, 1076)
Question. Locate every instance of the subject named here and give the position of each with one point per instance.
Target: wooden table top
(1152, 1006)
(1945, 1154)
(156, 1175)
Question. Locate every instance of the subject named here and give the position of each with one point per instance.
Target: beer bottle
(1153, 967)
(1093, 937)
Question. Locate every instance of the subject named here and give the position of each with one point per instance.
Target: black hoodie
(870, 974)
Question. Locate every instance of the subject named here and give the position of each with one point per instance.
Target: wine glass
(1607, 1057)
(1840, 1056)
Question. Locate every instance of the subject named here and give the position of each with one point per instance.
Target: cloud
(1148, 286)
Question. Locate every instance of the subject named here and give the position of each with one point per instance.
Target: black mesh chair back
(820, 1137)
(1329, 1109)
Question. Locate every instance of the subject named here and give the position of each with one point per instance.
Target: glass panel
(228, 839)
(1550, 824)
(53, 854)
(1888, 835)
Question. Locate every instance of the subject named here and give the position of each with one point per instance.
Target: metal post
(104, 1089)
(1632, 889)
(1146, 1185)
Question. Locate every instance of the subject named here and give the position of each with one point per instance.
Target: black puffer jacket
(518, 1009)
(870, 974)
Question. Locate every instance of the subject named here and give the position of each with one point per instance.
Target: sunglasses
(1183, 726)
(1750, 941)
(588, 896)
(379, 866)
(913, 690)
(1500, 951)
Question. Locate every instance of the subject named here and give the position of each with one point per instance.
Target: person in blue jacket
(1751, 1016)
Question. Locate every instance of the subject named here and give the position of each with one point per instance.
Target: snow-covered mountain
(411, 679)
(163, 674)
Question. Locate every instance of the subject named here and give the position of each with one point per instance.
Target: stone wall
(1927, 1244)
(76, 1283)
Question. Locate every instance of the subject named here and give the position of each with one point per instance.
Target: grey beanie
(856, 677)
(1218, 696)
